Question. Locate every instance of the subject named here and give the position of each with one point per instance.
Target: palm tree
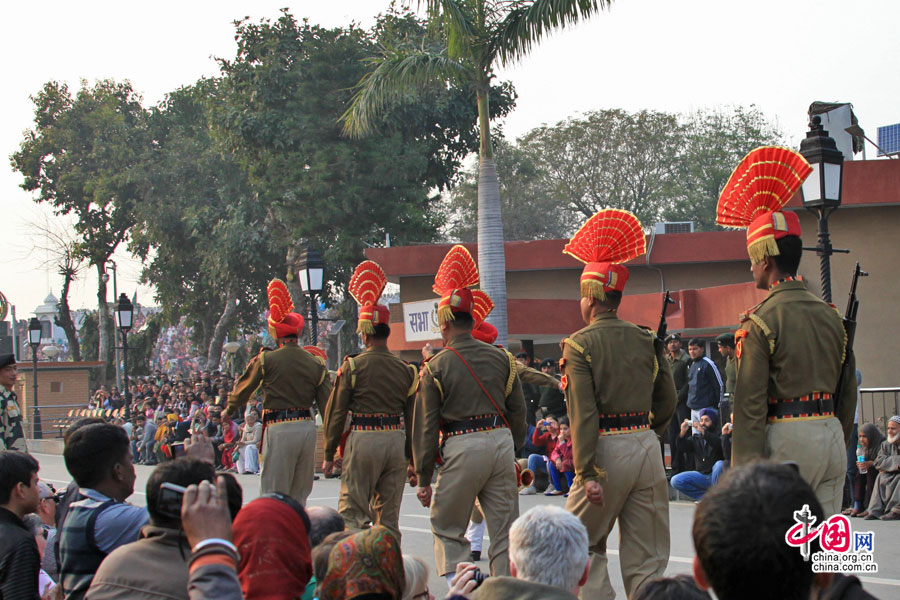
(475, 34)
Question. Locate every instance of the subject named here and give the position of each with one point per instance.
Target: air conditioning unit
(675, 227)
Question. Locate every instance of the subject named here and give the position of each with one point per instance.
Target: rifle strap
(483, 389)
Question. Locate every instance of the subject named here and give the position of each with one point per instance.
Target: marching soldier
(469, 393)
(12, 434)
(379, 389)
(292, 380)
(621, 397)
(791, 346)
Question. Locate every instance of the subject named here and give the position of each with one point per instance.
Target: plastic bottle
(861, 457)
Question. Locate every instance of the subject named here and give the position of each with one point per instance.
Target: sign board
(420, 323)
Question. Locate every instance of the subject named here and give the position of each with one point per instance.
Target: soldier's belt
(479, 423)
(271, 417)
(376, 422)
(812, 406)
(624, 423)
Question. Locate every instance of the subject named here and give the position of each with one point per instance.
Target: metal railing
(877, 405)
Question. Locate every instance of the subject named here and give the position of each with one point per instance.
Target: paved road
(417, 538)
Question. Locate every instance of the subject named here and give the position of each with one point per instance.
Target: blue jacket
(705, 385)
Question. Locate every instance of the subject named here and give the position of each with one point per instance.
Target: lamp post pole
(34, 340)
(313, 319)
(124, 319)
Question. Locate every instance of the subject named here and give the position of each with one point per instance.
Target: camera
(170, 499)
(478, 577)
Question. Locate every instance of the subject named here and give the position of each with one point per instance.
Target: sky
(655, 54)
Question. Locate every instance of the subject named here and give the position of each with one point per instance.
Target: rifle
(663, 325)
(849, 320)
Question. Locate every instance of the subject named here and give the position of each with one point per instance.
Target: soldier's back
(290, 377)
(381, 381)
(462, 396)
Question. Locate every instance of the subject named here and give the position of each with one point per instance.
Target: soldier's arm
(426, 425)
(751, 398)
(848, 398)
(244, 388)
(335, 414)
(408, 410)
(323, 391)
(662, 407)
(584, 418)
(535, 377)
(515, 413)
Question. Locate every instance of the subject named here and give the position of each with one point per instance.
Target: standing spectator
(704, 380)
(20, 562)
(36, 527)
(47, 513)
(679, 362)
(705, 445)
(725, 343)
(251, 436)
(99, 459)
(552, 401)
(12, 436)
(870, 438)
(885, 503)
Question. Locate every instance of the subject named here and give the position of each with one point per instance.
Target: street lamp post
(231, 348)
(34, 340)
(124, 317)
(312, 280)
(105, 278)
(822, 192)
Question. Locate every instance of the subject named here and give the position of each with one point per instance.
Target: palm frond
(396, 74)
(461, 29)
(527, 23)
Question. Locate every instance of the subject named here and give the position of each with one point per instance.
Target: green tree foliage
(609, 158)
(474, 35)
(715, 141)
(83, 158)
(530, 207)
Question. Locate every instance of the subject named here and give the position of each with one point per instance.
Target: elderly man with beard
(885, 502)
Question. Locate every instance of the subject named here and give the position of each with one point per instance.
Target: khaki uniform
(478, 465)
(372, 385)
(618, 379)
(789, 346)
(290, 378)
(730, 374)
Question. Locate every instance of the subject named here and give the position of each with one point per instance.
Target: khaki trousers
(476, 465)
(372, 479)
(635, 493)
(289, 455)
(818, 448)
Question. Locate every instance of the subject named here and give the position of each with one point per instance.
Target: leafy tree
(82, 157)
(474, 35)
(202, 223)
(278, 106)
(531, 208)
(716, 139)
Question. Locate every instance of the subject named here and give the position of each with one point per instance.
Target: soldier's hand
(411, 476)
(328, 469)
(594, 492)
(424, 495)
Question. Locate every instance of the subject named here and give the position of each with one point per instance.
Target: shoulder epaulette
(577, 347)
(351, 356)
(746, 314)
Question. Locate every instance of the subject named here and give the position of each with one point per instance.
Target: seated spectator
(885, 502)
(137, 438)
(248, 446)
(35, 526)
(271, 536)
(133, 570)
(99, 459)
(323, 521)
(739, 537)
(548, 558)
(20, 561)
(870, 438)
(705, 447)
(562, 461)
(415, 574)
(367, 564)
(679, 587)
(320, 556)
(544, 438)
(230, 434)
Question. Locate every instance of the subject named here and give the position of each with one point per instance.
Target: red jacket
(543, 440)
(563, 451)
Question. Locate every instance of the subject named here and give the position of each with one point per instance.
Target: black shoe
(475, 555)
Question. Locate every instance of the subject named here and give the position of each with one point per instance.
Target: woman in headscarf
(367, 565)
(229, 441)
(272, 537)
(870, 439)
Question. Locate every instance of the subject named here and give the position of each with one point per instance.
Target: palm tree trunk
(491, 257)
(226, 320)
